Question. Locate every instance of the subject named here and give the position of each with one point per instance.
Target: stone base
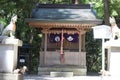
(61, 74)
(113, 47)
(10, 76)
(114, 61)
(77, 71)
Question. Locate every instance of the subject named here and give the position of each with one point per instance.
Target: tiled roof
(67, 6)
(79, 16)
(65, 12)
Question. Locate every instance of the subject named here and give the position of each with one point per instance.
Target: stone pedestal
(8, 59)
(8, 55)
(114, 61)
(10, 76)
(114, 54)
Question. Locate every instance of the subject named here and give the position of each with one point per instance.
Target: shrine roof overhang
(63, 16)
(43, 23)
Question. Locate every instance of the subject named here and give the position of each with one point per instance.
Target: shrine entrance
(63, 42)
(63, 49)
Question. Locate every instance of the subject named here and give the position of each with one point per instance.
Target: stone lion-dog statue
(114, 29)
(11, 28)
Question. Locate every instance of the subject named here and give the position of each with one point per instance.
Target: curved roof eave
(86, 21)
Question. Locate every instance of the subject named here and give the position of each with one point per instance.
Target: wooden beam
(61, 25)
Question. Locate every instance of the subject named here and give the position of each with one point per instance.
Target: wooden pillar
(108, 59)
(80, 42)
(45, 44)
(84, 41)
(45, 47)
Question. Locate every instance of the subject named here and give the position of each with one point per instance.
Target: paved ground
(35, 77)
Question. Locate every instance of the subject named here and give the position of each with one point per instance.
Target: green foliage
(2, 21)
(36, 42)
(98, 6)
(93, 52)
(115, 8)
(55, 1)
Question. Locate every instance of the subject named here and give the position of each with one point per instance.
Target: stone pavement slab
(35, 77)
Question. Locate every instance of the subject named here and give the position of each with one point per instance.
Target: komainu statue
(114, 29)
(9, 30)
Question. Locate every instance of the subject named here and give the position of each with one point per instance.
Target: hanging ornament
(70, 38)
(57, 38)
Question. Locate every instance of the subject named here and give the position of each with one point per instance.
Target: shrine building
(63, 42)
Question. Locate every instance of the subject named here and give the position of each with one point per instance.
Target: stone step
(61, 74)
(76, 71)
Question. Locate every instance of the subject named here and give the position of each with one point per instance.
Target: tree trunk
(75, 1)
(106, 12)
